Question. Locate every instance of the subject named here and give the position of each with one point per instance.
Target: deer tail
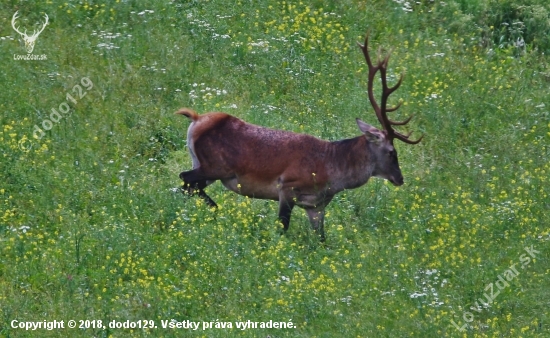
(190, 113)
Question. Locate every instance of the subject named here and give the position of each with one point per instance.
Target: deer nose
(397, 181)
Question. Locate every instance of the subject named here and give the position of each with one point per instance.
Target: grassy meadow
(92, 226)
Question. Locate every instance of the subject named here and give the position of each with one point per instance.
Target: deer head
(386, 164)
(29, 40)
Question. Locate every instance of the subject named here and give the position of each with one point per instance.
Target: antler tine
(364, 48)
(402, 123)
(392, 109)
(397, 85)
(406, 140)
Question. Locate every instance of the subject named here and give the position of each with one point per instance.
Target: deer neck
(351, 163)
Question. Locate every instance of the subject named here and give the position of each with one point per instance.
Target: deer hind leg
(194, 183)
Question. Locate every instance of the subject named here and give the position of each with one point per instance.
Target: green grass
(90, 229)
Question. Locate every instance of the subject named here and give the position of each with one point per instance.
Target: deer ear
(373, 134)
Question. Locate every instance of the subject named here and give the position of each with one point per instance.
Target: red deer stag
(294, 169)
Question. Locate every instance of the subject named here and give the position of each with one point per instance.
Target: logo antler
(29, 40)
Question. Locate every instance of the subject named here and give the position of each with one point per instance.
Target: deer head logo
(29, 40)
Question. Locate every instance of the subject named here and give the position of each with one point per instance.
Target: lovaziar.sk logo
(29, 40)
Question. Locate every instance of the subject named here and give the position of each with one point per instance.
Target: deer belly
(252, 188)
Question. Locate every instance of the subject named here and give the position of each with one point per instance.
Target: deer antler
(381, 110)
(14, 18)
(44, 26)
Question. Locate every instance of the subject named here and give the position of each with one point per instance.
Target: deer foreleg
(317, 219)
(287, 200)
(285, 210)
